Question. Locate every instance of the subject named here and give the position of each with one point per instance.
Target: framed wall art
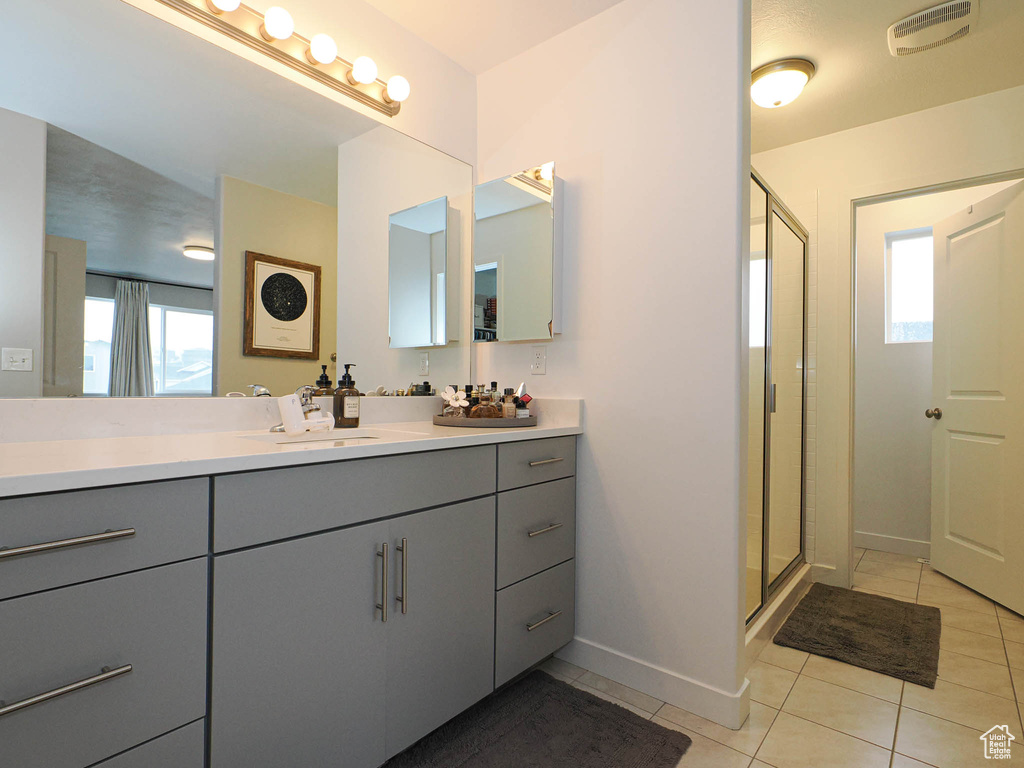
(282, 307)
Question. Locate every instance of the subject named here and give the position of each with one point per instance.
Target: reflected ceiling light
(364, 70)
(397, 89)
(780, 82)
(198, 252)
(277, 24)
(322, 50)
(223, 6)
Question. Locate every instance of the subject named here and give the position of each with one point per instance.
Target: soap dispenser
(346, 401)
(323, 385)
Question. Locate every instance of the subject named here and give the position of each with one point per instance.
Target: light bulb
(198, 252)
(364, 70)
(277, 24)
(547, 171)
(223, 6)
(397, 90)
(322, 50)
(779, 83)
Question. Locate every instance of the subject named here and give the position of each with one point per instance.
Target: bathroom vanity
(327, 606)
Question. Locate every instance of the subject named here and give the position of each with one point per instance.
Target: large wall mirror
(514, 257)
(181, 222)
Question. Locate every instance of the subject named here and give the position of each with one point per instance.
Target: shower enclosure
(776, 400)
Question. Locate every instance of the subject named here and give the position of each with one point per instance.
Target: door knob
(934, 413)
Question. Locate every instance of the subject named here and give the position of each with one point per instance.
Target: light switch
(16, 359)
(424, 363)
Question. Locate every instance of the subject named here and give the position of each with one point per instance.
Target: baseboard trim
(894, 544)
(728, 709)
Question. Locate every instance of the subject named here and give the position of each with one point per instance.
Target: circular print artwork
(283, 297)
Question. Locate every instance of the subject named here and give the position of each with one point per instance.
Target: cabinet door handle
(404, 597)
(382, 606)
(542, 462)
(552, 527)
(542, 622)
(105, 674)
(49, 546)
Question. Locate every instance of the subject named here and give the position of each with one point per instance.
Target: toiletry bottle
(346, 401)
(508, 408)
(323, 385)
(485, 409)
(495, 394)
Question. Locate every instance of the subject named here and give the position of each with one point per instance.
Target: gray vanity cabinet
(440, 646)
(299, 652)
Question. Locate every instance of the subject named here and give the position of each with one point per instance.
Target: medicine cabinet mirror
(514, 257)
(123, 159)
(417, 275)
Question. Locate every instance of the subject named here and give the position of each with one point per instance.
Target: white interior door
(978, 384)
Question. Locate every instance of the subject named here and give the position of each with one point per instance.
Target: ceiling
(480, 35)
(858, 81)
(134, 221)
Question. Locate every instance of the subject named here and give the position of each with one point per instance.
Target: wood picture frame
(282, 308)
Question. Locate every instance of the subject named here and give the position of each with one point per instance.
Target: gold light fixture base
(795, 65)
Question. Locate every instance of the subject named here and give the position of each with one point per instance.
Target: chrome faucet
(258, 390)
(305, 394)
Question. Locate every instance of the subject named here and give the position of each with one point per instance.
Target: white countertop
(60, 465)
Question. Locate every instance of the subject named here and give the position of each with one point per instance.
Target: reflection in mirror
(111, 171)
(513, 257)
(417, 273)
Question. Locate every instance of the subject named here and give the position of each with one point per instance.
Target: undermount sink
(334, 436)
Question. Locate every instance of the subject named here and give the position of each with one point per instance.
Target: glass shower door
(757, 303)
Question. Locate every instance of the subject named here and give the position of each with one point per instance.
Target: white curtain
(131, 359)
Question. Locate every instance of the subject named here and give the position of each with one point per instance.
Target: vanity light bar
(249, 27)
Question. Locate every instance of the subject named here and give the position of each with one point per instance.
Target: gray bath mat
(878, 633)
(540, 722)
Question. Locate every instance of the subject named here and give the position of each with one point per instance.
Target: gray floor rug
(540, 722)
(882, 634)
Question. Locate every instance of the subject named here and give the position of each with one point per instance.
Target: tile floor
(811, 712)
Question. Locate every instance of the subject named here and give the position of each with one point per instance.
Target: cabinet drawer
(536, 529)
(258, 507)
(171, 522)
(535, 461)
(154, 621)
(182, 748)
(534, 603)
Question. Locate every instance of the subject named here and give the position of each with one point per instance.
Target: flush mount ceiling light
(273, 34)
(780, 82)
(198, 252)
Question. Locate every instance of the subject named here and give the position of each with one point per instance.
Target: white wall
(22, 222)
(394, 173)
(442, 107)
(956, 141)
(655, 227)
(892, 439)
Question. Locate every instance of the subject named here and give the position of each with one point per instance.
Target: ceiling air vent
(933, 27)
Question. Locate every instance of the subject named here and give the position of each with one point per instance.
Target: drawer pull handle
(65, 543)
(382, 606)
(542, 622)
(404, 597)
(105, 674)
(546, 461)
(552, 527)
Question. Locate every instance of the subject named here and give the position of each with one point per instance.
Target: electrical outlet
(16, 359)
(424, 363)
(539, 366)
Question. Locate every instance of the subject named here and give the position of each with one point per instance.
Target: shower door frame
(770, 586)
